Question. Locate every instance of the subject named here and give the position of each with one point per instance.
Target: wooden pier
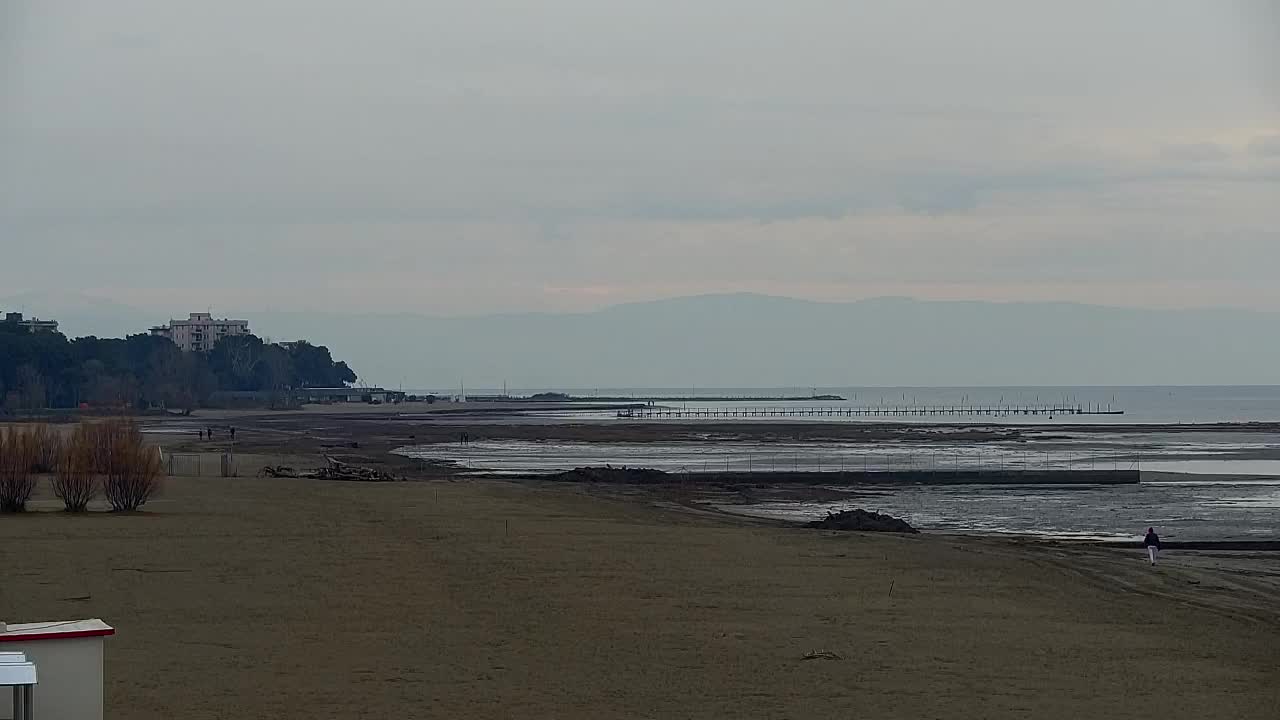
(995, 411)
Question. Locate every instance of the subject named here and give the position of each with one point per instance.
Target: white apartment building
(201, 331)
(34, 325)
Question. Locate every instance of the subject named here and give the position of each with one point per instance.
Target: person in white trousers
(1152, 543)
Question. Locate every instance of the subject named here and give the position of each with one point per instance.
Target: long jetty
(974, 476)
(662, 413)
(707, 398)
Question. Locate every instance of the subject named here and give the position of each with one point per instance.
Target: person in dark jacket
(1152, 543)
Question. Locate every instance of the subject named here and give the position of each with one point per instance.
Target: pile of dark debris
(862, 521)
(336, 470)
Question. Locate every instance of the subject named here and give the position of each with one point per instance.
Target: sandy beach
(283, 598)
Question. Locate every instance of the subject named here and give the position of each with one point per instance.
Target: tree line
(47, 370)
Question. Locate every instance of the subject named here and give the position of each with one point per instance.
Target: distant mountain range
(746, 340)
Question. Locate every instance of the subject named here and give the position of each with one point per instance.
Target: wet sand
(379, 430)
(250, 597)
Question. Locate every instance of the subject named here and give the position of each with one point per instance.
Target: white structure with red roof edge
(68, 656)
(19, 675)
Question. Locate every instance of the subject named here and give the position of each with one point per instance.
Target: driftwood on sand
(337, 470)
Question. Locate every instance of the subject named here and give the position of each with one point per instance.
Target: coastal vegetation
(48, 370)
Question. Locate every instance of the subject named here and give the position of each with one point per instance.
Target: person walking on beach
(1152, 543)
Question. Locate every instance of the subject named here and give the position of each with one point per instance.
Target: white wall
(70, 678)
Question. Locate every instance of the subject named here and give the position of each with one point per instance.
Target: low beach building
(348, 395)
(293, 397)
(200, 332)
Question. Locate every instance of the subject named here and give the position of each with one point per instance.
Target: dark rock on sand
(862, 521)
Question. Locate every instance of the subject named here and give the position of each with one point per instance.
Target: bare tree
(131, 471)
(75, 481)
(244, 360)
(17, 481)
(47, 446)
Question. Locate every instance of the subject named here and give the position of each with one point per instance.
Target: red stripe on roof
(19, 637)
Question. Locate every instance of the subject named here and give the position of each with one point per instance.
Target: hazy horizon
(751, 340)
(48, 304)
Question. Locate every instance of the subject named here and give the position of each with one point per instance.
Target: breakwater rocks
(616, 476)
(648, 476)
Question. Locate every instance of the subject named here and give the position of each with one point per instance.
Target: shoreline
(661, 496)
(373, 442)
(372, 439)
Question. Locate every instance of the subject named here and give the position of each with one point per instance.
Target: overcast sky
(469, 156)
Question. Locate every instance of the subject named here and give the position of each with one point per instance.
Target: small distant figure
(201, 431)
(209, 432)
(1152, 543)
(232, 431)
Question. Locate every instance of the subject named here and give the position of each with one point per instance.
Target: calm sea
(1155, 404)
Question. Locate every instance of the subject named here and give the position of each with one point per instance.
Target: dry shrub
(48, 449)
(75, 481)
(130, 470)
(18, 453)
